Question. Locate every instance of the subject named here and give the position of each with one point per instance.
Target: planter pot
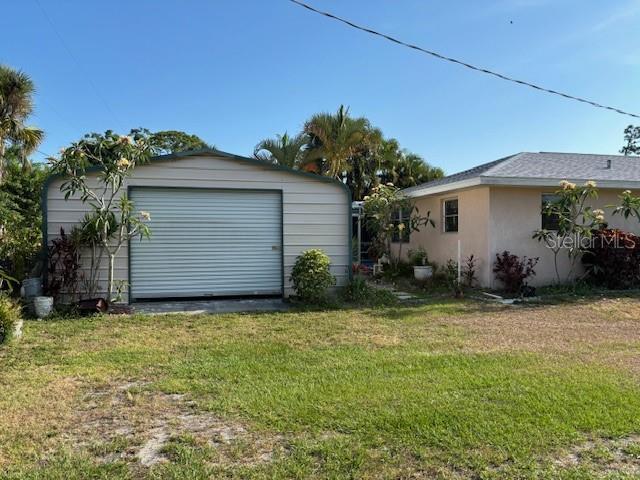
(423, 272)
(42, 306)
(17, 329)
(32, 287)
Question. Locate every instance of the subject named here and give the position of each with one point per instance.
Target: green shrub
(359, 292)
(400, 269)
(10, 314)
(311, 276)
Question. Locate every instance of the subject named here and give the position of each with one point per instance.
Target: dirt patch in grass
(128, 422)
(605, 456)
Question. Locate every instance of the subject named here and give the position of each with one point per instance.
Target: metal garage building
(222, 225)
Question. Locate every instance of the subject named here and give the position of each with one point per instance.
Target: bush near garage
(311, 276)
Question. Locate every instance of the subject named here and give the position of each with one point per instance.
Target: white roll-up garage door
(207, 242)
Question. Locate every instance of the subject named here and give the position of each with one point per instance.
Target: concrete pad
(212, 306)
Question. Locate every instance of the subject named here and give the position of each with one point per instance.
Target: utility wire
(78, 64)
(461, 63)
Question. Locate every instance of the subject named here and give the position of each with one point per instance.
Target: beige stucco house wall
(315, 213)
(493, 219)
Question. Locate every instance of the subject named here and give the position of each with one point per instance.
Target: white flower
(401, 227)
(389, 184)
(367, 197)
(600, 218)
(590, 183)
(145, 215)
(125, 139)
(598, 212)
(627, 192)
(567, 185)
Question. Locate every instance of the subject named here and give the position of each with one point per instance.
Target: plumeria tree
(113, 219)
(381, 210)
(576, 222)
(629, 205)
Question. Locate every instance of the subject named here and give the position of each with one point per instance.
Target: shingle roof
(546, 166)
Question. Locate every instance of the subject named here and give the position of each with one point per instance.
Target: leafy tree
(405, 169)
(282, 150)
(175, 141)
(16, 105)
(113, 219)
(334, 140)
(576, 221)
(632, 137)
(20, 211)
(381, 213)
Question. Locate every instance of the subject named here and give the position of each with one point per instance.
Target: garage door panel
(208, 242)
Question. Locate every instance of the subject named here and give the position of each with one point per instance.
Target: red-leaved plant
(512, 271)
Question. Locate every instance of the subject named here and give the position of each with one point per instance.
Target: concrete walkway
(212, 306)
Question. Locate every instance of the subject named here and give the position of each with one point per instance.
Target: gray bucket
(32, 287)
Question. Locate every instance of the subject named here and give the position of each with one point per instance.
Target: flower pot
(17, 328)
(32, 287)
(423, 272)
(42, 306)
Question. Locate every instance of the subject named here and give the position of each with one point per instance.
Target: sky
(237, 71)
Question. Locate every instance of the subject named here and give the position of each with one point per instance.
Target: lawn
(449, 389)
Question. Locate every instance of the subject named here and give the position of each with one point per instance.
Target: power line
(78, 64)
(461, 63)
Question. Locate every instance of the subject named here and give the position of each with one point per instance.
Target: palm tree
(334, 140)
(405, 169)
(16, 104)
(282, 150)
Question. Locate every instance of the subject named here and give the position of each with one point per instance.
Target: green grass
(344, 394)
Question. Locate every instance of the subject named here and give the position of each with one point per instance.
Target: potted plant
(419, 259)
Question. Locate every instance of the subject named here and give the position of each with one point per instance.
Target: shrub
(513, 272)
(469, 277)
(359, 292)
(400, 269)
(418, 257)
(451, 278)
(613, 259)
(311, 276)
(10, 314)
(64, 265)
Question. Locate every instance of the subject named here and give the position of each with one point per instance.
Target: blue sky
(237, 71)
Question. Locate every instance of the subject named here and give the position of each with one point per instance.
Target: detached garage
(222, 225)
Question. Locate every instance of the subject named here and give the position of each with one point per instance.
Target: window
(401, 216)
(549, 222)
(450, 208)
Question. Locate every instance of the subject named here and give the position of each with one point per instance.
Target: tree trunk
(112, 261)
(2, 152)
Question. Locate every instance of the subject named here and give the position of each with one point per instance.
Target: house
(497, 206)
(222, 225)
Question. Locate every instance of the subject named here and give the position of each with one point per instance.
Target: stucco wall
(473, 218)
(515, 215)
(314, 212)
(495, 219)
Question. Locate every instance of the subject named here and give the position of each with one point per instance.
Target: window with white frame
(450, 215)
